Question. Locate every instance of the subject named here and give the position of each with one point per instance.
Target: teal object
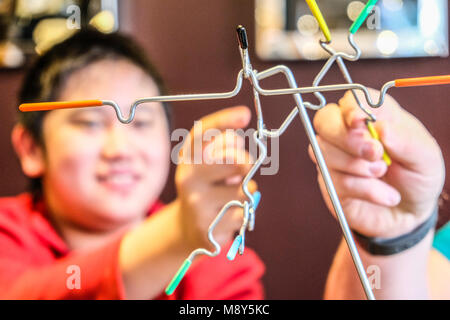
(178, 277)
(239, 240)
(234, 248)
(441, 240)
(242, 247)
(256, 198)
(362, 16)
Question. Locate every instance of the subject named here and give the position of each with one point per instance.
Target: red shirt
(34, 263)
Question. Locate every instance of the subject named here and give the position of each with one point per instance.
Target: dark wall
(193, 43)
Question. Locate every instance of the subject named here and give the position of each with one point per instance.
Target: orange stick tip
(44, 106)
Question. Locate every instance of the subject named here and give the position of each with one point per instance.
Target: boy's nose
(117, 144)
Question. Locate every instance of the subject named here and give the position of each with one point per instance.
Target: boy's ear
(30, 154)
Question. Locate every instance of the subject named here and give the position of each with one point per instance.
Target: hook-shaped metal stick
(45, 106)
(362, 16)
(243, 45)
(187, 263)
(242, 37)
(329, 185)
(371, 117)
(249, 206)
(319, 17)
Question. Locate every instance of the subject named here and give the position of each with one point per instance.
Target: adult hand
(378, 200)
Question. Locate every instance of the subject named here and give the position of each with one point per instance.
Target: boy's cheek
(69, 166)
(72, 143)
(157, 151)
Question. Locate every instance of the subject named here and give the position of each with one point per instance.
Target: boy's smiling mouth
(119, 180)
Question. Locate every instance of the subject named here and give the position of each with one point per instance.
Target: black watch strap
(385, 247)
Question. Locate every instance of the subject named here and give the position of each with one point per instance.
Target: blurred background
(286, 29)
(193, 43)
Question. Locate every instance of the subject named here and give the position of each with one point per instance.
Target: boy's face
(99, 172)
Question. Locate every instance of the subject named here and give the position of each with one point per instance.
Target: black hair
(48, 74)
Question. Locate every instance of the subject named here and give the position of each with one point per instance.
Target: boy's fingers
(252, 186)
(230, 118)
(233, 162)
(222, 143)
(228, 192)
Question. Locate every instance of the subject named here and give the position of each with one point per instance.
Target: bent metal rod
(250, 205)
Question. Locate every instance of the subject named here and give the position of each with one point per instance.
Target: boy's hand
(378, 200)
(204, 188)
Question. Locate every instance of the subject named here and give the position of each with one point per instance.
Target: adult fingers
(368, 189)
(330, 126)
(338, 160)
(411, 145)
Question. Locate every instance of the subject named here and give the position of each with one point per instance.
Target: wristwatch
(385, 247)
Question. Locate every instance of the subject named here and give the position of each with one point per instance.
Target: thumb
(409, 144)
(230, 118)
(352, 115)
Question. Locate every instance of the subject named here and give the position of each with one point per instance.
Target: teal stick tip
(234, 248)
(178, 277)
(242, 246)
(256, 198)
(362, 16)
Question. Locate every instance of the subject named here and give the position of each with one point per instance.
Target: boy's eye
(90, 124)
(143, 123)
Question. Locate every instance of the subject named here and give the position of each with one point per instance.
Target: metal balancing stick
(250, 205)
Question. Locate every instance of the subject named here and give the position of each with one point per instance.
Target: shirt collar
(41, 222)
